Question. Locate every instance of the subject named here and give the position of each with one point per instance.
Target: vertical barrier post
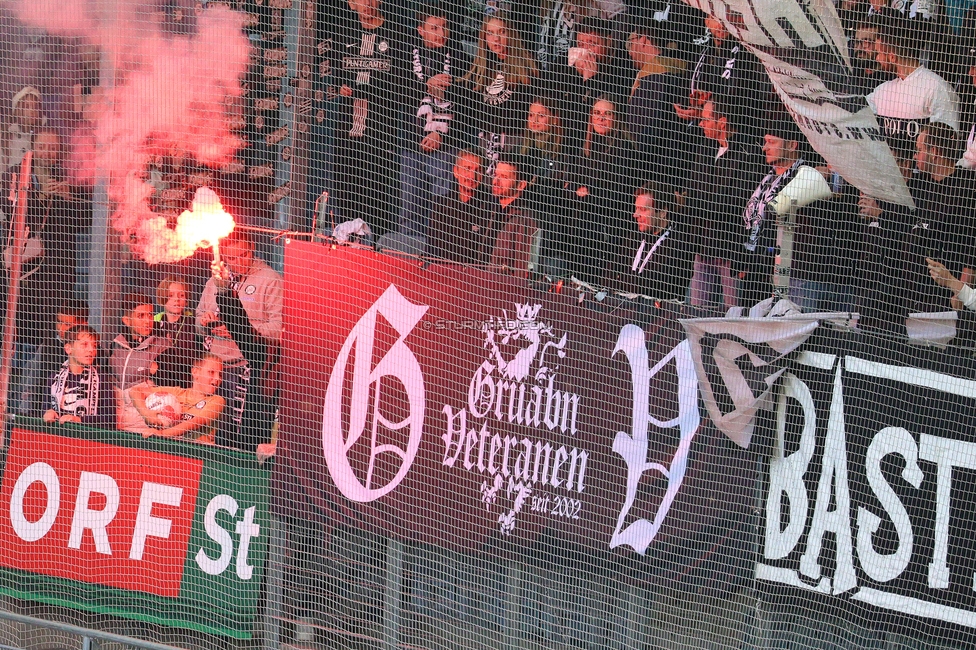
(392, 594)
(274, 589)
(104, 261)
(512, 605)
(13, 291)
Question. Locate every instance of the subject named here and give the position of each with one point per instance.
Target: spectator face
(368, 10)
(777, 149)
(434, 31)
(539, 118)
(505, 184)
(924, 155)
(641, 50)
(47, 147)
(140, 320)
(972, 73)
(864, 43)
(238, 257)
(643, 211)
(603, 117)
(496, 37)
(594, 43)
(467, 172)
(717, 29)
(82, 352)
(714, 128)
(207, 376)
(28, 111)
(176, 302)
(884, 54)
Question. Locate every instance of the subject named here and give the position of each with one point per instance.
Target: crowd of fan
(635, 148)
(625, 155)
(207, 375)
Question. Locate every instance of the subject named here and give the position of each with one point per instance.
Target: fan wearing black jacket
(719, 183)
(649, 254)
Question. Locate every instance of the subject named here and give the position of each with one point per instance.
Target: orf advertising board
(160, 531)
(459, 407)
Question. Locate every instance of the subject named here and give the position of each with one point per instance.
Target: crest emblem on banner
(363, 400)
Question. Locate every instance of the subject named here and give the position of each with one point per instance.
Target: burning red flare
(202, 226)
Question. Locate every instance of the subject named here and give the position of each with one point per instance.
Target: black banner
(870, 495)
(465, 409)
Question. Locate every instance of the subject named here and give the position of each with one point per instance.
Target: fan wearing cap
(651, 120)
(28, 118)
(781, 148)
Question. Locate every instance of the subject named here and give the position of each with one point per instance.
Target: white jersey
(921, 97)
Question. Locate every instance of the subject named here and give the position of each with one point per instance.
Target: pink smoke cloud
(170, 94)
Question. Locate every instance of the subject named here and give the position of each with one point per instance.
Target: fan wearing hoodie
(239, 316)
(133, 358)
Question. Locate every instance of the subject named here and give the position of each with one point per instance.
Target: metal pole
(784, 260)
(105, 259)
(13, 293)
(275, 586)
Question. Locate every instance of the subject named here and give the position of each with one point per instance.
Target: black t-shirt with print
(365, 60)
(493, 116)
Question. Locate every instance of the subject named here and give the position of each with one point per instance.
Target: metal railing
(88, 636)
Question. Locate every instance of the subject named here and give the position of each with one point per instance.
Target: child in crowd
(77, 393)
(200, 406)
(175, 323)
(50, 355)
(134, 355)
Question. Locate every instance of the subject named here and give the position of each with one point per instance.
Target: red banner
(89, 511)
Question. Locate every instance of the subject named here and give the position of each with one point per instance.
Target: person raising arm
(964, 294)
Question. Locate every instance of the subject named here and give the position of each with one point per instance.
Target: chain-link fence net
(489, 323)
